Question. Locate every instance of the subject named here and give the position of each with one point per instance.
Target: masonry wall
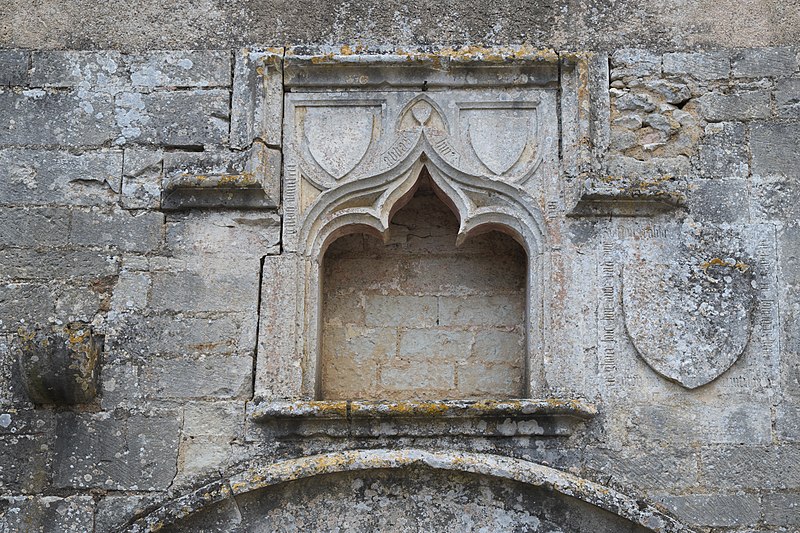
(89, 136)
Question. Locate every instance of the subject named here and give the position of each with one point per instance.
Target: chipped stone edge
(260, 477)
(630, 196)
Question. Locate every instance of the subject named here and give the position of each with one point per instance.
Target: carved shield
(688, 304)
(499, 135)
(338, 137)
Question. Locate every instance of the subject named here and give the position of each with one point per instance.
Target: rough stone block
(29, 302)
(346, 378)
(210, 376)
(78, 303)
(787, 98)
(490, 381)
(257, 102)
(204, 454)
(117, 229)
(28, 264)
(789, 254)
(499, 346)
(215, 289)
(653, 468)
(432, 343)
(723, 151)
(173, 119)
(130, 292)
(359, 343)
(102, 71)
(214, 419)
(119, 451)
(631, 62)
(34, 177)
(775, 199)
(763, 62)
(720, 200)
(701, 65)
(136, 336)
(751, 467)
(34, 227)
(189, 68)
(782, 509)
(787, 423)
(25, 462)
(655, 167)
(417, 379)
(114, 511)
(408, 311)
(142, 173)
(13, 67)
(750, 105)
(39, 117)
(119, 385)
(231, 234)
(498, 310)
(71, 514)
(715, 510)
(774, 149)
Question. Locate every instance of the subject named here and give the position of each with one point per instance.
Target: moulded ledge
(488, 417)
(630, 196)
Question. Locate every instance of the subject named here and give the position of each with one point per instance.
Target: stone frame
(364, 198)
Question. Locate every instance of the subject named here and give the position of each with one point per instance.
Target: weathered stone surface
(715, 510)
(102, 71)
(113, 511)
(14, 67)
(653, 470)
(723, 151)
(46, 513)
(117, 229)
(30, 264)
(141, 178)
(173, 119)
(206, 376)
(38, 117)
(213, 289)
(787, 98)
(774, 149)
(634, 63)
(117, 451)
(33, 177)
(257, 102)
(716, 107)
(195, 68)
(751, 467)
(26, 461)
(34, 226)
(24, 302)
(701, 65)
(688, 308)
(762, 62)
(782, 509)
(720, 201)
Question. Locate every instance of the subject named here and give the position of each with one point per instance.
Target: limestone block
(720, 201)
(113, 511)
(190, 118)
(425, 379)
(750, 467)
(34, 226)
(70, 514)
(118, 229)
(213, 418)
(257, 103)
(142, 173)
(434, 344)
(204, 376)
(32, 177)
(120, 386)
(764, 62)
(656, 468)
(203, 454)
(787, 98)
(490, 381)
(494, 310)
(100, 71)
(26, 449)
(500, 346)
(130, 292)
(715, 510)
(789, 254)
(14, 67)
(632, 62)
(228, 234)
(740, 105)
(701, 65)
(116, 451)
(40, 117)
(723, 151)
(181, 68)
(782, 509)
(215, 288)
(32, 264)
(787, 423)
(24, 302)
(408, 311)
(774, 149)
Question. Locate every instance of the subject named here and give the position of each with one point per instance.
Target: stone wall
(107, 151)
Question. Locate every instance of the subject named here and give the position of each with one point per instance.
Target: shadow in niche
(411, 499)
(419, 318)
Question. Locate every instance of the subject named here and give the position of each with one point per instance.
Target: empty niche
(418, 317)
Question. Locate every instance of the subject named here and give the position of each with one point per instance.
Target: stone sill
(501, 418)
